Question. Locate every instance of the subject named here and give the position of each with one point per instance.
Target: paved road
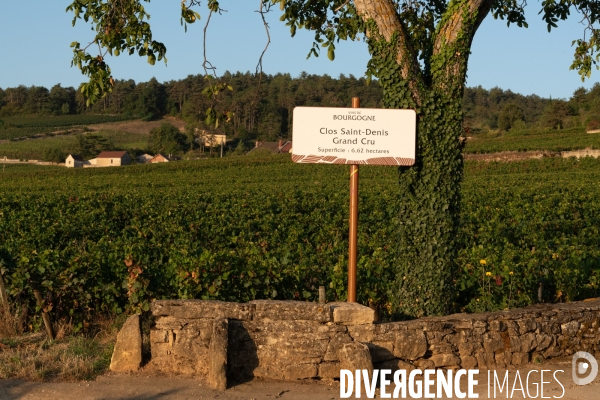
(140, 386)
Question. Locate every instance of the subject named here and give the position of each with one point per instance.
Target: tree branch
(453, 25)
(452, 29)
(264, 8)
(383, 13)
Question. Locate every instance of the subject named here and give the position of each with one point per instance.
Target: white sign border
(331, 159)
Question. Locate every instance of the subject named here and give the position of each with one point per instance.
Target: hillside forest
(263, 110)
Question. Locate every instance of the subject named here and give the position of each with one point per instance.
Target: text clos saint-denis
(367, 135)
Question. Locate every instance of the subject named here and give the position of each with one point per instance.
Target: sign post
(368, 136)
(353, 223)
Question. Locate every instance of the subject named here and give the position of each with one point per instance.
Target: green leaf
(331, 53)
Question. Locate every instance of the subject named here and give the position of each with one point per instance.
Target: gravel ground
(148, 386)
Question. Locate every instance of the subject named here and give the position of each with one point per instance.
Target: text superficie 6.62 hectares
(355, 150)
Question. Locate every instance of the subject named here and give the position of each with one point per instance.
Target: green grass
(34, 149)
(126, 140)
(70, 357)
(27, 126)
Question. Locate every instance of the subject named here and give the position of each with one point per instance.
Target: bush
(593, 124)
(510, 114)
(54, 155)
(168, 139)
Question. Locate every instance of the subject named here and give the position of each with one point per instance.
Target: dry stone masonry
(292, 340)
(127, 355)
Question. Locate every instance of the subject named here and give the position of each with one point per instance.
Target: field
(121, 134)
(242, 228)
(35, 149)
(24, 127)
(554, 141)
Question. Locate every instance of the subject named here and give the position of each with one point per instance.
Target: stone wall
(489, 340)
(298, 340)
(534, 154)
(270, 339)
(4, 160)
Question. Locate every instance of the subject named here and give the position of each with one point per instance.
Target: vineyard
(23, 127)
(245, 228)
(554, 140)
(38, 148)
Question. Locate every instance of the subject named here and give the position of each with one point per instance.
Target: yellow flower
(510, 273)
(488, 273)
(482, 262)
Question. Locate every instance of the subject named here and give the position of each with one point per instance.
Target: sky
(36, 37)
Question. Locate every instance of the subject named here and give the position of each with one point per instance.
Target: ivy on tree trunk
(430, 190)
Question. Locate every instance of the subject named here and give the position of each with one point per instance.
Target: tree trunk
(429, 213)
(430, 190)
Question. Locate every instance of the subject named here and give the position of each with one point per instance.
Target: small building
(144, 158)
(213, 140)
(74, 161)
(273, 147)
(113, 159)
(208, 139)
(159, 158)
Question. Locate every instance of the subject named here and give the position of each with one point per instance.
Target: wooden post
(352, 242)
(45, 316)
(3, 295)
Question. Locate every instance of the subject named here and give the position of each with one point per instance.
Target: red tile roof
(111, 154)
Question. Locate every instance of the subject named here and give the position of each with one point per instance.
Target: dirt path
(113, 387)
(141, 386)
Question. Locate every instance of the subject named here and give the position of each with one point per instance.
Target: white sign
(373, 136)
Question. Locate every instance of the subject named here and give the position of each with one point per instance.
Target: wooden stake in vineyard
(369, 136)
(3, 295)
(45, 316)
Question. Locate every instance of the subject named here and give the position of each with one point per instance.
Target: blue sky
(36, 35)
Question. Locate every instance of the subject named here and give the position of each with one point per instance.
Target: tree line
(262, 107)
(503, 110)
